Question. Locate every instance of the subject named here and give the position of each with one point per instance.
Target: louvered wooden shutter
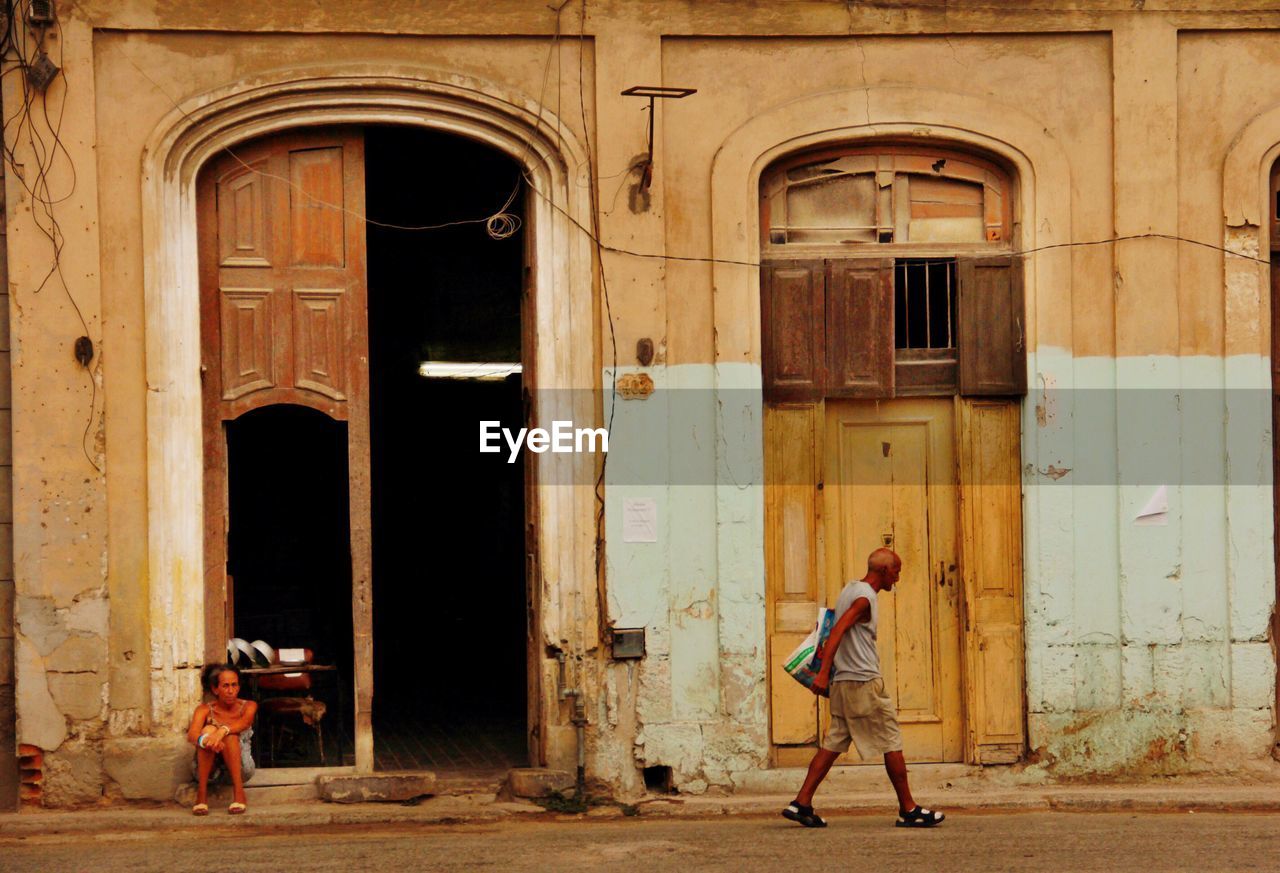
(793, 339)
(993, 358)
(860, 328)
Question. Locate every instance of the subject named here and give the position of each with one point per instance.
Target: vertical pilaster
(8, 723)
(1148, 420)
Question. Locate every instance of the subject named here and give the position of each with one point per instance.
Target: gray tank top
(857, 658)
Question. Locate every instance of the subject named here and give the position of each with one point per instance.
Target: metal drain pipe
(578, 719)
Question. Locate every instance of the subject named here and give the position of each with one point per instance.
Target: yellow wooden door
(890, 480)
(793, 438)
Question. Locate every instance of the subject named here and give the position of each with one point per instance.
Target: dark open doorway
(289, 571)
(450, 616)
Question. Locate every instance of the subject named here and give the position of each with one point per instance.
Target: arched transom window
(888, 271)
(885, 196)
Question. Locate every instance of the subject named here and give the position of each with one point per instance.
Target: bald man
(861, 711)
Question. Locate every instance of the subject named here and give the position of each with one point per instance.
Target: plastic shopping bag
(804, 663)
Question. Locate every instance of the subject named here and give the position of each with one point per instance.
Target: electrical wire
(594, 196)
(18, 46)
(502, 224)
(501, 219)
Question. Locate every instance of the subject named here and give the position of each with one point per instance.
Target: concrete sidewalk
(850, 790)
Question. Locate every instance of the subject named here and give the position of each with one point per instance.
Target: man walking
(861, 711)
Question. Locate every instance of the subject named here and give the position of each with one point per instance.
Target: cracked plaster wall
(1147, 646)
(60, 608)
(696, 703)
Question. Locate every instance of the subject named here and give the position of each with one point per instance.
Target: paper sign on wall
(639, 520)
(1156, 510)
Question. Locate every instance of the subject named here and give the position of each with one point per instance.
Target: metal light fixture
(478, 372)
(654, 92)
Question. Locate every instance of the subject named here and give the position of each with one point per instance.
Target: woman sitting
(222, 732)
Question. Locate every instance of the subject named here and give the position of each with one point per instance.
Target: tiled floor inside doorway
(409, 742)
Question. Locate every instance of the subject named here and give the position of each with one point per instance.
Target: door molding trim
(202, 126)
(1252, 574)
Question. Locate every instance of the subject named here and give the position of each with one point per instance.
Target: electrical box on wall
(41, 13)
(628, 643)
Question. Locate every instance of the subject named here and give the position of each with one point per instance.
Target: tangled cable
(503, 224)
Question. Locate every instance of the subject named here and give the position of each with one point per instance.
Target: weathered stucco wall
(8, 713)
(1146, 646)
(60, 511)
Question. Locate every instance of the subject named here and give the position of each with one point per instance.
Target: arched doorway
(377, 327)
(894, 363)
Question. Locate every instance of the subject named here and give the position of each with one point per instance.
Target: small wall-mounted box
(627, 643)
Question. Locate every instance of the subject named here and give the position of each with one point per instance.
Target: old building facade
(986, 283)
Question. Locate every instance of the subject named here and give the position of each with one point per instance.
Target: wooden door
(991, 550)
(283, 320)
(889, 480)
(793, 503)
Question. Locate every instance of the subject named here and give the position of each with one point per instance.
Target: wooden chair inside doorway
(290, 709)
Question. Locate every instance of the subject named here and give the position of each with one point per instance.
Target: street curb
(479, 810)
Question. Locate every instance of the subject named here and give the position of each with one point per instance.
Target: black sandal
(804, 815)
(919, 818)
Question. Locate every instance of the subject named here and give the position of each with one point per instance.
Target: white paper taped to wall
(639, 520)
(1156, 510)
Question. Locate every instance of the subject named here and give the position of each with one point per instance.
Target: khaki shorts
(862, 712)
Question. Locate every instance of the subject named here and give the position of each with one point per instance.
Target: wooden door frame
(218, 593)
(535, 720)
(562, 279)
(350, 406)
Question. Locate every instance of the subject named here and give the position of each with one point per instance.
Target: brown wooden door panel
(317, 211)
(283, 314)
(321, 337)
(244, 234)
(285, 292)
(793, 332)
(860, 328)
(991, 342)
(248, 341)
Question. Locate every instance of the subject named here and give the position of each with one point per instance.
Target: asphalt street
(1056, 841)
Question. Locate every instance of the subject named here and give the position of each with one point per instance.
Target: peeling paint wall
(1147, 646)
(61, 610)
